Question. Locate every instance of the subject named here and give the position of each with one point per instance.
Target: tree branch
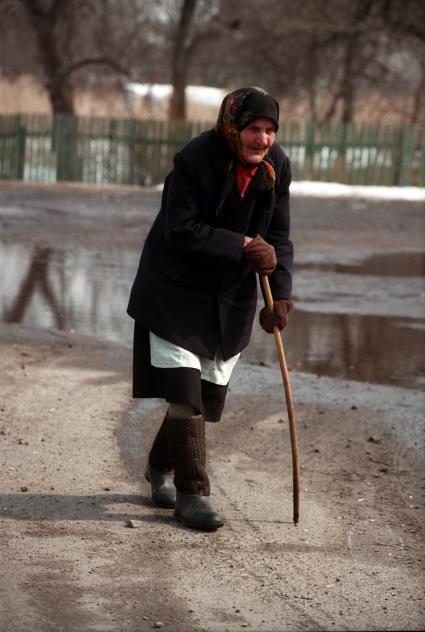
(331, 110)
(34, 8)
(91, 61)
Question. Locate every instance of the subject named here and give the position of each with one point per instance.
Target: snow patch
(159, 91)
(335, 189)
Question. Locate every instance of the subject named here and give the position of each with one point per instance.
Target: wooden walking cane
(289, 404)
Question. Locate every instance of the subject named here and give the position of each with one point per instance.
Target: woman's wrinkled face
(256, 140)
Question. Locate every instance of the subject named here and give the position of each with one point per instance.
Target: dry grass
(26, 95)
(23, 95)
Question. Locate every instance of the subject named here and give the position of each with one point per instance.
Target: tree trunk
(44, 25)
(181, 60)
(177, 108)
(313, 73)
(58, 87)
(347, 92)
(417, 99)
(61, 97)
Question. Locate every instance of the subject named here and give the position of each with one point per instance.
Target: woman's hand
(260, 254)
(277, 318)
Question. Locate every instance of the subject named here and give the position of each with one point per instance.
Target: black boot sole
(206, 527)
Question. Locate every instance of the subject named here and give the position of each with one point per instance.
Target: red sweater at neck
(244, 176)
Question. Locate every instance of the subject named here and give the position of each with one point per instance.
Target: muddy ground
(73, 444)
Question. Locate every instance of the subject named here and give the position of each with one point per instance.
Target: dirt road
(73, 447)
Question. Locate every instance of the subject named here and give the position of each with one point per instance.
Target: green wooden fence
(38, 148)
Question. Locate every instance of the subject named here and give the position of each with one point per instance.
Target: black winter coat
(194, 287)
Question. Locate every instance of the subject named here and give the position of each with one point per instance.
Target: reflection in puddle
(396, 264)
(354, 347)
(72, 289)
(36, 278)
(88, 291)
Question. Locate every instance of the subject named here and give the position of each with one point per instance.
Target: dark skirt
(177, 386)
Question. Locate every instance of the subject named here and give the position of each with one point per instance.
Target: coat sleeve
(182, 227)
(278, 236)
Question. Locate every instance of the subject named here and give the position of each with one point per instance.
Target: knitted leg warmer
(186, 445)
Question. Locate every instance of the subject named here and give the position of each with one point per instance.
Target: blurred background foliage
(329, 61)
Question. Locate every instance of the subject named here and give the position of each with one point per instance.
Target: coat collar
(221, 154)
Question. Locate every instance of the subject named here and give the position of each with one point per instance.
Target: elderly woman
(224, 216)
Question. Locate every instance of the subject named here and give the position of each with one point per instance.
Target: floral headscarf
(232, 119)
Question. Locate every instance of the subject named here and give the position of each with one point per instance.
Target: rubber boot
(186, 444)
(159, 470)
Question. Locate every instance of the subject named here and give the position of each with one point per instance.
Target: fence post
(18, 156)
(420, 168)
(407, 154)
(59, 145)
(338, 167)
(131, 140)
(68, 165)
(310, 129)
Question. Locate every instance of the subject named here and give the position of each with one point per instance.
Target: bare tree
(200, 23)
(325, 55)
(329, 53)
(56, 34)
(182, 49)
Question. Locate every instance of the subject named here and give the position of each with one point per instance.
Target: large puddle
(77, 290)
(394, 264)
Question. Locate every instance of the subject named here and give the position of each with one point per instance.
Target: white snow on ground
(335, 189)
(204, 94)
(159, 91)
(155, 90)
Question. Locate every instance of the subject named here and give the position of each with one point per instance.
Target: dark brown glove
(261, 255)
(277, 318)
